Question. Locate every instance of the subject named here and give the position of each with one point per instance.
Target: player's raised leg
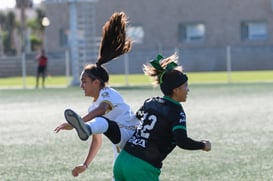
(76, 122)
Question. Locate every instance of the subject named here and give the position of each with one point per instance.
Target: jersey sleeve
(107, 97)
(181, 138)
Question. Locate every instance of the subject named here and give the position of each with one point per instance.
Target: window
(192, 32)
(63, 37)
(136, 33)
(254, 30)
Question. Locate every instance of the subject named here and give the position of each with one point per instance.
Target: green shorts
(130, 168)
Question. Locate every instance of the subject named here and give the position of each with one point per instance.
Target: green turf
(140, 79)
(237, 118)
(237, 76)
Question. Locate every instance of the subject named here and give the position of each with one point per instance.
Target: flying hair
(114, 41)
(155, 73)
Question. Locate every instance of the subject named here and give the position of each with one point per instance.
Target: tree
(25, 3)
(22, 5)
(37, 29)
(8, 24)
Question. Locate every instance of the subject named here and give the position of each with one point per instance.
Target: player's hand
(78, 169)
(64, 126)
(207, 145)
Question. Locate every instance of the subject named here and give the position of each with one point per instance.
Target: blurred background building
(177, 23)
(207, 35)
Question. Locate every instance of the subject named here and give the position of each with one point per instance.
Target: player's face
(89, 86)
(180, 93)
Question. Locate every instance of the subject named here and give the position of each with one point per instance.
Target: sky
(11, 3)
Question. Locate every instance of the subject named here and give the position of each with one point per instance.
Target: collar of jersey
(172, 100)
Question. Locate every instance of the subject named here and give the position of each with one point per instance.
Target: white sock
(98, 125)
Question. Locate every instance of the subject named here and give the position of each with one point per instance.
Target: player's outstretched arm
(207, 145)
(79, 169)
(63, 126)
(93, 150)
(99, 111)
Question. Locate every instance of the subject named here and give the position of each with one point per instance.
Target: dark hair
(114, 43)
(167, 78)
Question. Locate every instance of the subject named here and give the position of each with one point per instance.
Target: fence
(233, 58)
(13, 66)
(230, 58)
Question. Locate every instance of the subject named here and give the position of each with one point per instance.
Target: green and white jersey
(163, 128)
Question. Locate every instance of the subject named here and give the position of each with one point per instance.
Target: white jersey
(120, 111)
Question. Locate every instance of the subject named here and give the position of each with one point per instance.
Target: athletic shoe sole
(76, 122)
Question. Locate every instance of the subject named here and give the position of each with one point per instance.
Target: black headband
(173, 79)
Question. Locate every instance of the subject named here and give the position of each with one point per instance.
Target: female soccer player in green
(163, 127)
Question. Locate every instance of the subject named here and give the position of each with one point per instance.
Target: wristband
(86, 166)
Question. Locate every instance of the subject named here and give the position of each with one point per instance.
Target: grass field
(236, 117)
(140, 79)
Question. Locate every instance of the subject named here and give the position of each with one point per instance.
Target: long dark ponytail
(114, 43)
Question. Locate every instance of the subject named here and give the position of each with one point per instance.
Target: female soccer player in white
(108, 113)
